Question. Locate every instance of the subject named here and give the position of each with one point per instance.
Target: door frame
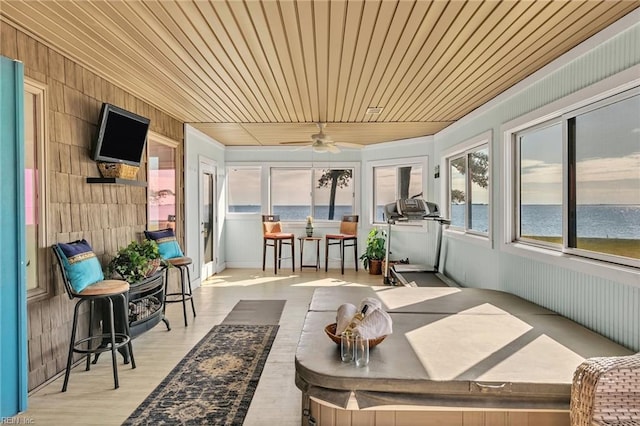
(207, 165)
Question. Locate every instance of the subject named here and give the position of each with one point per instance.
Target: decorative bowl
(331, 332)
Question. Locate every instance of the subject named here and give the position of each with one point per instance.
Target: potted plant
(374, 252)
(136, 261)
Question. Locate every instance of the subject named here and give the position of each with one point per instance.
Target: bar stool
(83, 280)
(171, 252)
(182, 263)
(272, 236)
(348, 233)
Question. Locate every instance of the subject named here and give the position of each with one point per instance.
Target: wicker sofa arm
(606, 391)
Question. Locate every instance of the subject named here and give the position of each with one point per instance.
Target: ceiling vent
(374, 110)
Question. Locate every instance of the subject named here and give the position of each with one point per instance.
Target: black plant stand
(145, 301)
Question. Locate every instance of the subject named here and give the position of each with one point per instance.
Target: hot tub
(456, 357)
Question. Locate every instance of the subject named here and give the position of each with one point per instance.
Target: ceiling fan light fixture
(320, 147)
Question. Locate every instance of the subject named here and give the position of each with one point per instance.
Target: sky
(607, 158)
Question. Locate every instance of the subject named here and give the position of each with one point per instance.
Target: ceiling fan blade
(349, 145)
(332, 148)
(296, 143)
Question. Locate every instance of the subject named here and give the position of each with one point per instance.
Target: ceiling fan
(322, 142)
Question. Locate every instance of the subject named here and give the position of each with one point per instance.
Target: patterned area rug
(214, 383)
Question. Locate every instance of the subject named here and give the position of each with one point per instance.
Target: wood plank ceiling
(263, 72)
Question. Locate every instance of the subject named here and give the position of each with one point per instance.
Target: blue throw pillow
(167, 243)
(80, 264)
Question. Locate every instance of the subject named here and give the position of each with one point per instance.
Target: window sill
(610, 271)
(481, 240)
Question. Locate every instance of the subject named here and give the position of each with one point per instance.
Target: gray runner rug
(257, 312)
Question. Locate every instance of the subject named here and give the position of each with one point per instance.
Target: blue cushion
(167, 243)
(80, 264)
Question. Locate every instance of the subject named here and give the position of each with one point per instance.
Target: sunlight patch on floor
(398, 297)
(220, 281)
(328, 282)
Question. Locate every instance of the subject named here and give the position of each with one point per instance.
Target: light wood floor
(91, 399)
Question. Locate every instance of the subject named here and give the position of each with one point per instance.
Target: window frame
(39, 90)
(609, 100)
(572, 105)
(265, 185)
(517, 176)
(312, 167)
(397, 163)
(244, 166)
(464, 149)
(163, 140)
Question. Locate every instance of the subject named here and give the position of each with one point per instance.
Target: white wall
(200, 146)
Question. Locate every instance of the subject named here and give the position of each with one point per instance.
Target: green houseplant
(374, 252)
(136, 261)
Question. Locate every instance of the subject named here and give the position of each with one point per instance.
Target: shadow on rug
(214, 383)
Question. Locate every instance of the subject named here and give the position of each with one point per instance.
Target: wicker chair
(606, 391)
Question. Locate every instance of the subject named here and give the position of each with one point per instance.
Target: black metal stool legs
(186, 296)
(116, 340)
(114, 359)
(74, 329)
(183, 295)
(128, 331)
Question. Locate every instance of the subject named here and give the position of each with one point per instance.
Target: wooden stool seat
(180, 261)
(105, 288)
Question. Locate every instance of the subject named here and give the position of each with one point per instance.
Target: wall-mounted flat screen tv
(121, 136)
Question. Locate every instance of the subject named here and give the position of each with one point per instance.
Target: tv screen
(121, 136)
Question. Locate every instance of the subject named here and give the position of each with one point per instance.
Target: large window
(394, 181)
(468, 167)
(243, 190)
(540, 209)
(34, 179)
(579, 179)
(324, 193)
(161, 154)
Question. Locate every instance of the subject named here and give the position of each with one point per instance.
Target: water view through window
(601, 176)
(324, 194)
(541, 184)
(607, 192)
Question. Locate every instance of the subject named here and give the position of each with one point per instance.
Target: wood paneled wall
(108, 216)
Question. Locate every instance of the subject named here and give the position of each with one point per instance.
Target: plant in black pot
(374, 252)
(136, 261)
